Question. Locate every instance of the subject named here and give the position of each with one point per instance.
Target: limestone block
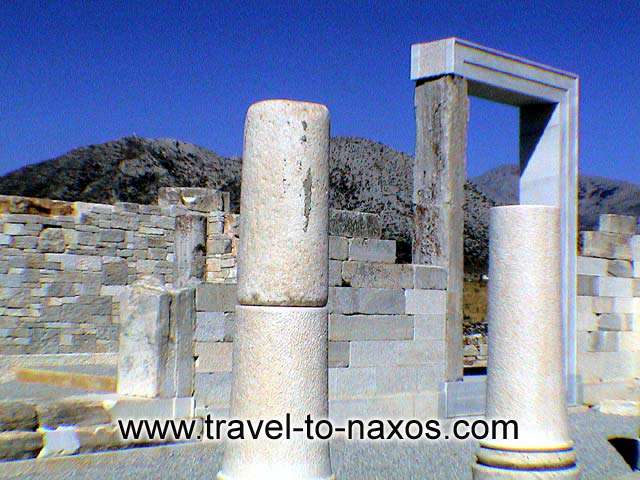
(347, 300)
(72, 411)
(197, 199)
(351, 382)
(608, 366)
(592, 266)
(115, 273)
(618, 322)
(372, 250)
(348, 223)
(20, 445)
(390, 380)
(338, 354)
(610, 223)
(273, 379)
(338, 248)
(586, 285)
(620, 407)
(612, 287)
(587, 320)
(605, 245)
(213, 356)
(620, 268)
(283, 249)
(216, 297)
(214, 327)
(111, 235)
(613, 341)
(399, 406)
(15, 229)
(427, 277)
(17, 415)
(100, 438)
(178, 375)
(213, 389)
(395, 353)
(594, 393)
(615, 305)
(422, 302)
(190, 249)
(429, 327)
(370, 327)
(335, 273)
(51, 240)
(377, 275)
(144, 340)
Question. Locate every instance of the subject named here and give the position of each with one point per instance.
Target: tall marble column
(280, 346)
(525, 379)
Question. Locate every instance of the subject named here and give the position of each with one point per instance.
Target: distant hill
(596, 195)
(365, 175)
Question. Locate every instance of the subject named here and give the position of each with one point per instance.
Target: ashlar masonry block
(611, 223)
(592, 266)
(613, 287)
(422, 302)
(377, 275)
(347, 300)
(370, 327)
(372, 250)
(605, 245)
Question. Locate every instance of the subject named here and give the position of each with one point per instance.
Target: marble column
(280, 346)
(525, 379)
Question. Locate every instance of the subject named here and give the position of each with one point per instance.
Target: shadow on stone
(629, 449)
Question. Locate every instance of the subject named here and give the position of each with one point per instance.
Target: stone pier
(280, 346)
(526, 385)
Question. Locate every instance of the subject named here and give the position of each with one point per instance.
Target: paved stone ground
(352, 460)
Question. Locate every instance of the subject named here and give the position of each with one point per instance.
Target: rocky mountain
(365, 175)
(596, 195)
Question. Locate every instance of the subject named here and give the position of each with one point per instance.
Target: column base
(483, 472)
(269, 476)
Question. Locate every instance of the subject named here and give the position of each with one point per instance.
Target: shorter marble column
(525, 379)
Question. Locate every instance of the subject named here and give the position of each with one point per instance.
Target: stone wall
(386, 328)
(63, 265)
(609, 311)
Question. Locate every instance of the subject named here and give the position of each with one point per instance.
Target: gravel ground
(351, 460)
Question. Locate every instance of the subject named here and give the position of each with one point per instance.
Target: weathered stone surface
(372, 250)
(347, 223)
(618, 322)
(216, 297)
(20, 445)
(396, 353)
(370, 327)
(51, 240)
(72, 411)
(190, 249)
(100, 438)
(214, 327)
(610, 223)
(377, 275)
(115, 273)
(338, 354)
(586, 285)
(144, 340)
(283, 249)
(17, 415)
(429, 278)
(197, 199)
(605, 245)
(592, 266)
(421, 302)
(213, 356)
(335, 273)
(338, 248)
(620, 268)
(613, 287)
(347, 300)
(179, 368)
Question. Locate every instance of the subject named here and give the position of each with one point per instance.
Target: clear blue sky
(75, 73)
